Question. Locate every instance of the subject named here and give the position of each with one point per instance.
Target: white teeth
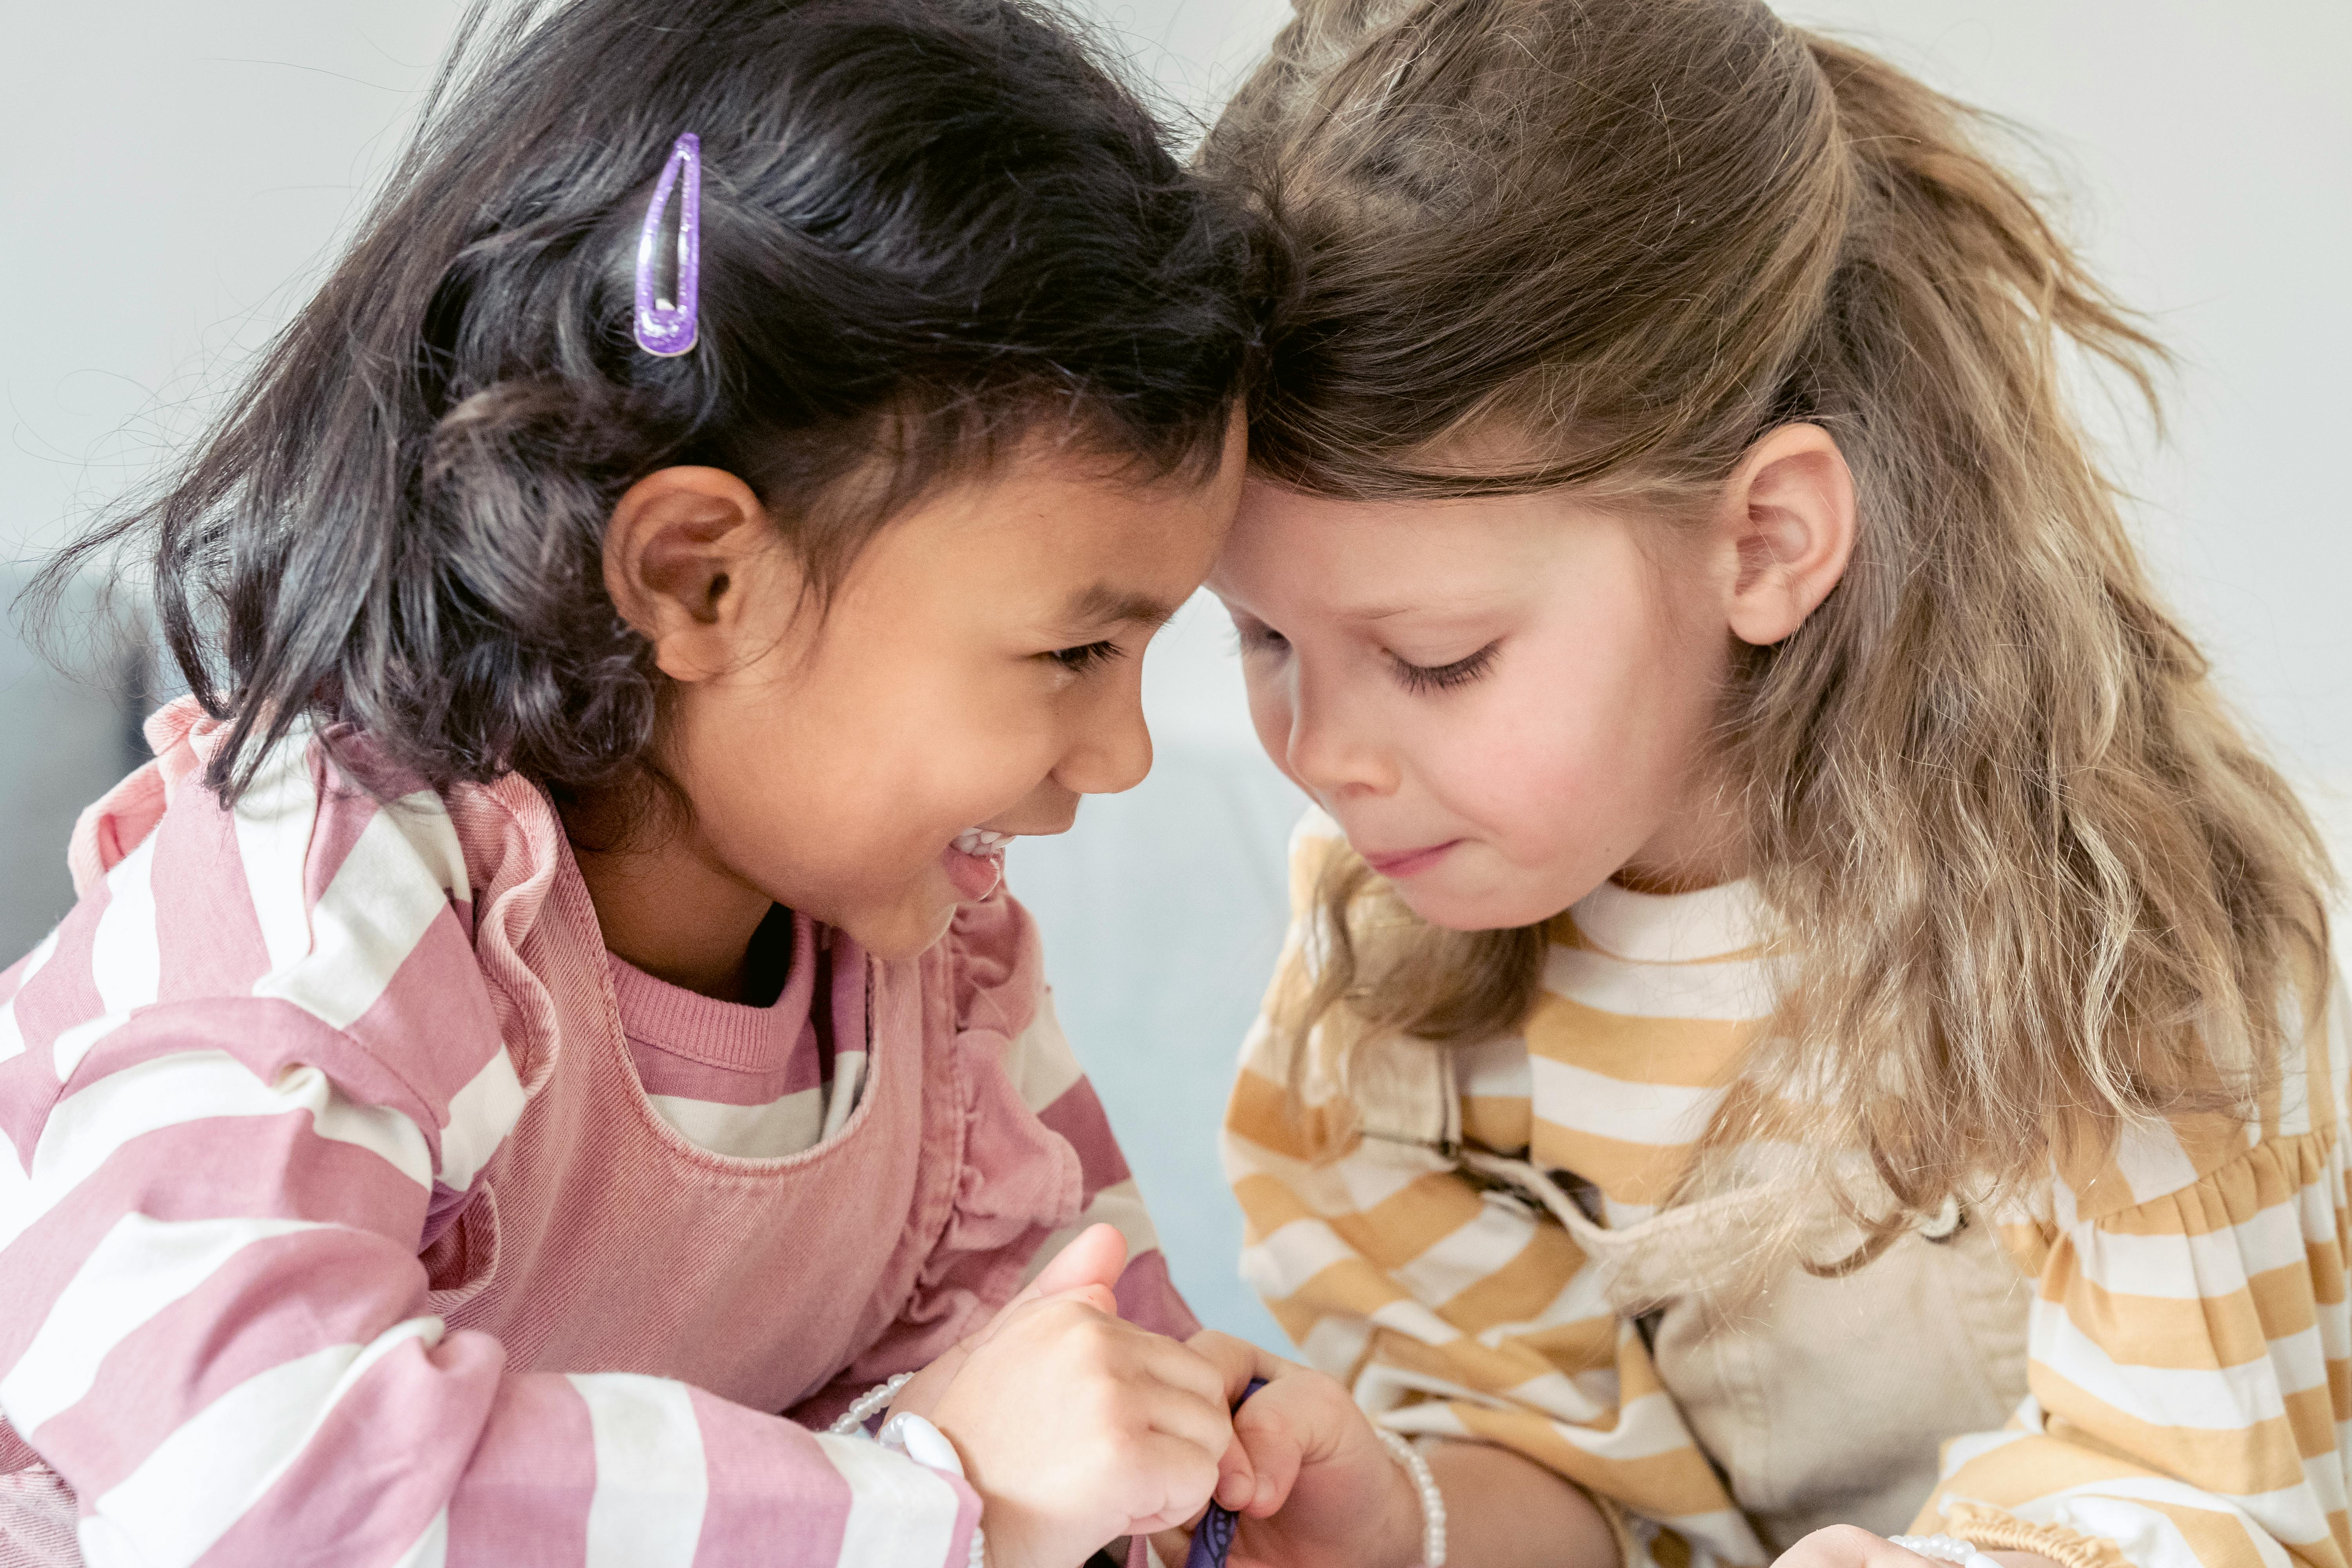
(980, 841)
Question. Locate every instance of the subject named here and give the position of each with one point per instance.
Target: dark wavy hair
(928, 227)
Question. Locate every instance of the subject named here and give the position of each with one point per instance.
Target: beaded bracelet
(1944, 1549)
(1433, 1501)
(1214, 1537)
(939, 1455)
(862, 1409)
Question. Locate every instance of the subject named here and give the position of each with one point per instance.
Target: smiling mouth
(975, 862)
(1406, 862)
(981, 842)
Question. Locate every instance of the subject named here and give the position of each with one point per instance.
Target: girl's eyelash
(1445, 677)
(1246, 638)
(1078, 661)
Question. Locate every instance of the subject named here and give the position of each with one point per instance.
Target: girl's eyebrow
(1461, 608)
(1103, 604)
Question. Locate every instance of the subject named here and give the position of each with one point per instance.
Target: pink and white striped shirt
(757, 1083)
(341, 1220)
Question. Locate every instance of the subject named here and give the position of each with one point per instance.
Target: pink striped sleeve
(236, 1085)
(1041, 1062)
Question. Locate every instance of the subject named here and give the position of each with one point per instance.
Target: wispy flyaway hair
(2034, 880)
(928, 228)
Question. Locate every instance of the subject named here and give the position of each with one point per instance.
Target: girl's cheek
(1534, 766)
(1508, 782)
(1270, 715)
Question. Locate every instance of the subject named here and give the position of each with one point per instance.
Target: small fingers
(1095, 1256)
(1181, 1366)
(1275, 1427)
(1173, 1482)
(1183, 1413)
(1238, 1484)
(1277, 1457)
(1142, 1381)
(1236, 1361)
(1270, 1448)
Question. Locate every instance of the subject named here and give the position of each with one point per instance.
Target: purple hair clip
(666, 326)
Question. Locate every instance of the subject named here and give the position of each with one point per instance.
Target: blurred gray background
(177, 175)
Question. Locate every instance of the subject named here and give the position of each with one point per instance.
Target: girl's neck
(1702, 845)
(663, 902)
(1669, 882)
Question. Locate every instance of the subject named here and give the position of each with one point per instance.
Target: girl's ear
(1788, 520)
(679, 553)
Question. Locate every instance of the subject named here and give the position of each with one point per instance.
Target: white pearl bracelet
(912, 1436)
(852, 1420)
(1433, 1501)
(1944, 1549)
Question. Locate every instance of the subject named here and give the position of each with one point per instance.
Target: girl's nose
(1334, 752)
(1110, 747)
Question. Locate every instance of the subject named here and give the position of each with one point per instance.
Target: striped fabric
(1046, 1075)
(243, 1085)
(766, 1082)
(758, 1083)
(2191, 1367)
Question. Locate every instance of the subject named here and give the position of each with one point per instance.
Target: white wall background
(176, 175)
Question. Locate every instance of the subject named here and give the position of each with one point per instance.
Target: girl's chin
(1486, 910)
(909, 926)
(925, 908)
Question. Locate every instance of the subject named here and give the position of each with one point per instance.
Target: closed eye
(1251, 636)
(1426, 677)
(1091, 655)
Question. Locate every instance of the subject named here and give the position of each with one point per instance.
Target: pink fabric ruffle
(508, 830)
(1017, 1180)
(183, 738)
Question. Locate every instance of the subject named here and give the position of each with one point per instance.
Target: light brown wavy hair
(2034, 880)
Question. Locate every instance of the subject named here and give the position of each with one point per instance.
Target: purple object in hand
(666, 326)
(1214, 1537)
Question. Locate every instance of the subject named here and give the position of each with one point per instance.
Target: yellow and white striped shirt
(2189, 1376)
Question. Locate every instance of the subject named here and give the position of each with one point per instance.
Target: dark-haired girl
(549, 1007)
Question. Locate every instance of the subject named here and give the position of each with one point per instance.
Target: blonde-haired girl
(1808, 1019)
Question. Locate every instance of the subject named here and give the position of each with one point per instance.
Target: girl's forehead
(1372, 560)
(1054, 537)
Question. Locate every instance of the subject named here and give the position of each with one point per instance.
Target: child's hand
(1311, 1482)
(1317, 1488)
(1076, 1428)
(1073, 1427)
(1087, 1270)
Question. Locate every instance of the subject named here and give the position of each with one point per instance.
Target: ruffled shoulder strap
(183, 738)
(996, 965)
(514, 847)
(508, 830)
(1015, 1181)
